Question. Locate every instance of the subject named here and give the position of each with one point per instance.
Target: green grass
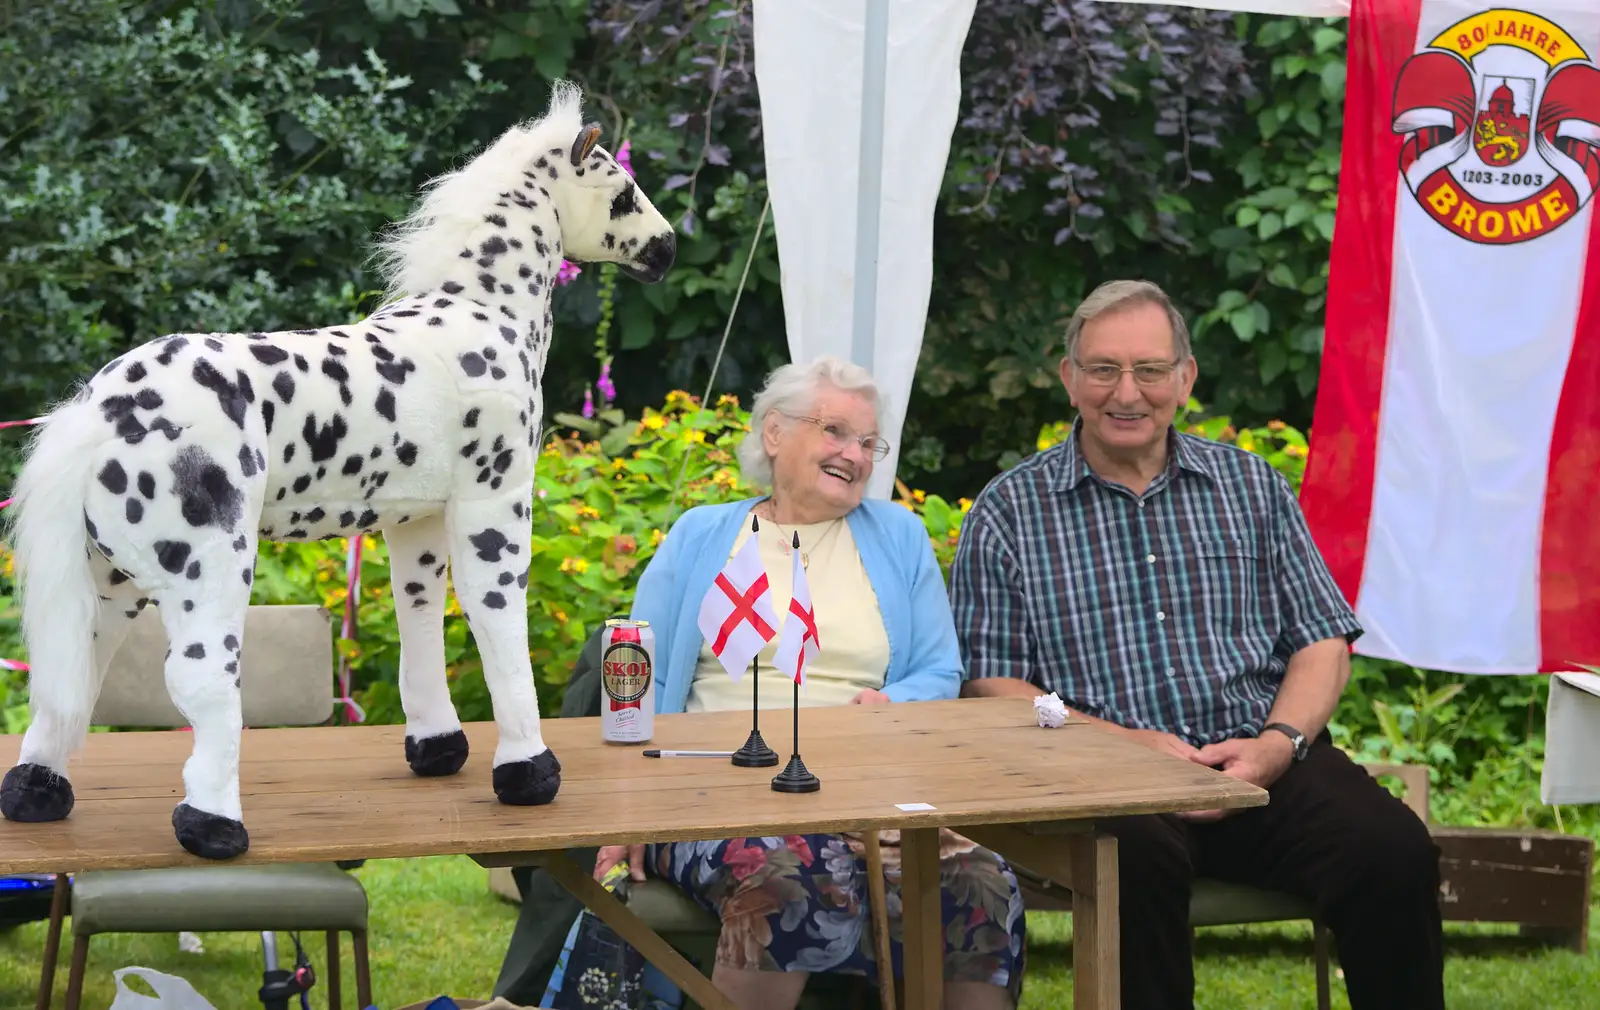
(436, 928)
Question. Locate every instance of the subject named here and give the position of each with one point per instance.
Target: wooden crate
(1538, 879)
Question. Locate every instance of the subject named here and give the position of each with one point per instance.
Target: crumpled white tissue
(1051, 710)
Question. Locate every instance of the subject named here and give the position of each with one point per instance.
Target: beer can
(627, 674)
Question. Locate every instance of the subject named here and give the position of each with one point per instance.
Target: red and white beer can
(627, 675)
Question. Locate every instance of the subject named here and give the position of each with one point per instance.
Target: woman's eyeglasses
(839, 436)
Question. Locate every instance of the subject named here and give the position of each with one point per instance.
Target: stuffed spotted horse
(154, 484)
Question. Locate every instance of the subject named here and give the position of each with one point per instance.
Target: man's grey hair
(792, 389)
(1113, 296)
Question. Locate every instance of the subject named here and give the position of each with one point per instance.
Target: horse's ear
(587, 138)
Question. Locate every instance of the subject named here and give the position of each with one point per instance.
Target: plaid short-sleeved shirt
(1175, 610)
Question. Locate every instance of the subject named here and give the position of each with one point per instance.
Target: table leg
(1096, 924)
(922, 918)
(634, 930)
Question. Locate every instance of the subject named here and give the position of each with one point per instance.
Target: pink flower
(608, 389)
(568, 272)
(623, 158)
(588, 402)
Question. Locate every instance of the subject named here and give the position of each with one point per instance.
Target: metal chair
(286, 675)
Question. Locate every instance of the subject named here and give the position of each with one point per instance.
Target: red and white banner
(736, 614)
(798, 643)
(1455, 462)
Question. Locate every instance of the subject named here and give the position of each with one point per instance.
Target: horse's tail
(55, 583)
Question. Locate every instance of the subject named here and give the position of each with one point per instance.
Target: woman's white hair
(792, 389)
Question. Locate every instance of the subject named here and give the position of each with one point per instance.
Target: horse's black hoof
(33, 792)
(529, 783)
(437, 755)
(209, 836)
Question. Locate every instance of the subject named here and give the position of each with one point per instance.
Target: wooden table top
(327, 793)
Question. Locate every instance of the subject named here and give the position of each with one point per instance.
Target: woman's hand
(611, 855)
(871, 697)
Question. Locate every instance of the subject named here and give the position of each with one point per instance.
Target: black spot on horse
(494, 601)
(269, 410)
(118, 576)
(269, 355)
(380, 352)
(335, 371)
(347, 519)
(497, 372)
(471, 420)
(385, 404)
(231, 643)
(232, 396)
(288, 451)
(473, 364)
(495, 219)
(172, 555)
(147, 484)
(135, 372)
(522, 580)
(247, 461)
(193, 571)
(134, 510)
(215, 345)
(315, 515)
(367, 519)
(352, 465)
(240, 543)
(148, 399)
(166, 427)
(395, 371)
(195, 651)
(335, 349)
(625, 202)
(170, 349)
(487, 281)
(435, 320)
(413, 588)
(406, 454)
(207, 497)
(116, 407)
(450, 288)
(502, 462)
(489, 544)
(301, 483)
(468, 449)
(506, 578)
(188, 605)
(509, 335)
(323, 441)
(114, 477)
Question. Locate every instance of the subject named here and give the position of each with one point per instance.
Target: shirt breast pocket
(1234, 586)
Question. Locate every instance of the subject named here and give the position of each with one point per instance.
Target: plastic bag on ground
(172, 992)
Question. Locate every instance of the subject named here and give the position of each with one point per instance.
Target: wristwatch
(1301, 744)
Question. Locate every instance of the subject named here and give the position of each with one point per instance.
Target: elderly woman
(884, 615)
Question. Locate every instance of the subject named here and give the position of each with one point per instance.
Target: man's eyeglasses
(839, 436)
(1146, 373)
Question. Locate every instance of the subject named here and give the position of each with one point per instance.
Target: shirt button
(1186, 729)
(1150, 558)
(1161, 615)
(1172, 671)
(1141, 503)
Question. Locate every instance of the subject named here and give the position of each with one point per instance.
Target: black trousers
(1331, 834)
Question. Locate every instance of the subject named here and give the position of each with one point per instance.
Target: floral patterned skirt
(799, 903)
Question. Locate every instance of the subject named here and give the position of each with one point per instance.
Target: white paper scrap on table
(1050, 709)
(916, 806)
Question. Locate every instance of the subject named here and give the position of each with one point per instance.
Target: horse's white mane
(414, 253)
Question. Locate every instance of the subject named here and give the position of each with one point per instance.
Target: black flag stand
(796, 777)
(755, 753)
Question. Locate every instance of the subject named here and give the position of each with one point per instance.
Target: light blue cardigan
(924, 661)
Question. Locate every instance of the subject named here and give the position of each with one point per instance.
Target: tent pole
(869, 184)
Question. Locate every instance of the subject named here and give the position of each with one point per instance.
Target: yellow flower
(919, 496)
(695, 435)
(579, 565)
(1293, 450)
(965, 504)
(586, 512)
(1276, 426)
(574, 530)
(656, 536)
(560, 616)
(655, 422)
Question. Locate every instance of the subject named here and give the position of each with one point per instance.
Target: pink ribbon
(352, 594)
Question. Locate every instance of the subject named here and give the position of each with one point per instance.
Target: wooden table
(984, 765)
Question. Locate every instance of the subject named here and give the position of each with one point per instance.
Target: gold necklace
(786, 539)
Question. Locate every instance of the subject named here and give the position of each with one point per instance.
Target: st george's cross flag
(798, 643)
(736, 614)
(1454, 478)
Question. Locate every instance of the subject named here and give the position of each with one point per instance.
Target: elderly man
(1166, 587)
